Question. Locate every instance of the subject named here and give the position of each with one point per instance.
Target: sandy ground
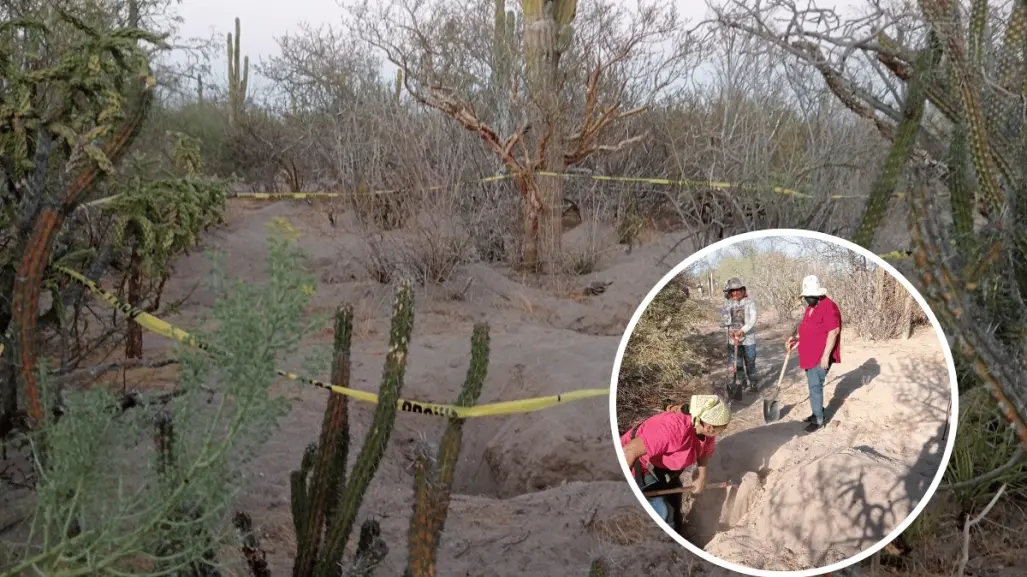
(543, 493)
(539, 493)
(808, 500)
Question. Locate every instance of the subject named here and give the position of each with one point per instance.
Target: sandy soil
(808, 500)
(543, 493)
(539, 493)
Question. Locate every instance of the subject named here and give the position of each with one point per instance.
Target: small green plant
(107, 505)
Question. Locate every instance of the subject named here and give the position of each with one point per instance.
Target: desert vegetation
(441, 130)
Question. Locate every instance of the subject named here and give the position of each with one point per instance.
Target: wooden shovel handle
(784, 366)
(683, 490)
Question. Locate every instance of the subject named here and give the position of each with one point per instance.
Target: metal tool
(772, 406)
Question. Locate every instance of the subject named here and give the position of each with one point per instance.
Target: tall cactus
(905, 136)
(325, 503)
(238, 77)
(548, 33)
(969, 273)
(323, 468)
(433, 477)
(502, 63)
(398, 90)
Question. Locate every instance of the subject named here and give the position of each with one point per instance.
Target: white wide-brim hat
(811, 287)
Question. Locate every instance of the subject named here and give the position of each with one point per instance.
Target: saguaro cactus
(502, 62)
(547, 35)
(238, 78)
(399, 85)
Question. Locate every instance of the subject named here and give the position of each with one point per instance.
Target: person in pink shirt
(662, 446)
(819, 339)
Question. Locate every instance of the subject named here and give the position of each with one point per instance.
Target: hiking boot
(813, 427)
(810, 419)
(753, 386)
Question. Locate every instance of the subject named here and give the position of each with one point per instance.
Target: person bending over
(662, 446)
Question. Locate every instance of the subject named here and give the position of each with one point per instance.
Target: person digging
(818, 338)
(740, 318)
(659, 449)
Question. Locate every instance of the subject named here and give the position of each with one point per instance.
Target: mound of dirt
(820, 513)
(832, 494)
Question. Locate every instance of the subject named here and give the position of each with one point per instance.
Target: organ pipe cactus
(433, 477)
(325, 502)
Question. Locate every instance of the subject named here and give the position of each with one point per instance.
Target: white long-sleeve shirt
(741, 315)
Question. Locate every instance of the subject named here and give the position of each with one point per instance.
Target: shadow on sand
(737, 454)
(849, 383)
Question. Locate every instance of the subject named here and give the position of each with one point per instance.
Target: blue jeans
(815, 378)
(659, 504)
(746, 354)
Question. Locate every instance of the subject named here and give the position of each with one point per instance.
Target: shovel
(772, 407)
(684, 489)
(736, 390)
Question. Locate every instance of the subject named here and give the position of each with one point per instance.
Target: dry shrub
(874, 305)
(386, 210)
(663, 355)
(428, 252)
(626, 528)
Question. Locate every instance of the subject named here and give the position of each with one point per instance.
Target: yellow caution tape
(154, 324)
(636, 179)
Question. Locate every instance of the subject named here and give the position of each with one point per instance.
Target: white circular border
(698, 255)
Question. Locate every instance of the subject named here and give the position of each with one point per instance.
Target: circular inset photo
(784, 401)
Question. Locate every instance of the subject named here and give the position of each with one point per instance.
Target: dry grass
(666, 356)
(624, 528)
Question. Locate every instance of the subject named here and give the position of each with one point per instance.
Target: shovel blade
(771, 411)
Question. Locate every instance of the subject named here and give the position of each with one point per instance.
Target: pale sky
(264, 20)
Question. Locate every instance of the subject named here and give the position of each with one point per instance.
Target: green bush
(108, 502)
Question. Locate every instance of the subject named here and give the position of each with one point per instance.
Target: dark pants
(747, 355)
(815, 378)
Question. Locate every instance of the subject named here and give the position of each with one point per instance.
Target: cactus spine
(433, 477)
(238, 77)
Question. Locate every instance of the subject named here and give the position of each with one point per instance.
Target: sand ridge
(815, 499)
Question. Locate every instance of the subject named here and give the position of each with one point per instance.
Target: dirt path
(808, 500)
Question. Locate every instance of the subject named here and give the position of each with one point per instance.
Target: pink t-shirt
(670, 442)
